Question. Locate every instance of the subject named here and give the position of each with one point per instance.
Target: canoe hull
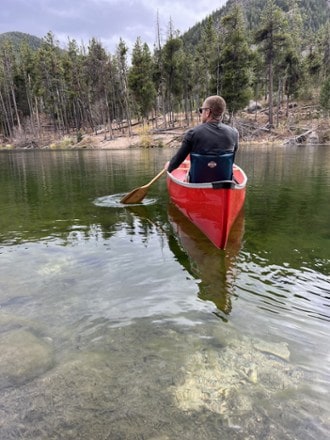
(212, 210)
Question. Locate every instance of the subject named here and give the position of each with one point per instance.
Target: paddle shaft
(154, 179)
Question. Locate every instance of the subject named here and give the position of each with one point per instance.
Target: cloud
(105, 20)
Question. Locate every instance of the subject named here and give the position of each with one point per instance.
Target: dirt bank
(303, 125)
(168, 138)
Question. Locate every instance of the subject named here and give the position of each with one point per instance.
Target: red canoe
(212, 207)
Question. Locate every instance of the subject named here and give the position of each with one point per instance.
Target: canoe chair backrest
(211, 167)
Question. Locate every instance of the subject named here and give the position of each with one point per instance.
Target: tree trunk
(7, 121)
(270, 93)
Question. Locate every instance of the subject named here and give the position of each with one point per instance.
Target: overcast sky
(106, 20)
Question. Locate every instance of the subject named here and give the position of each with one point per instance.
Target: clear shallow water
(125, 322)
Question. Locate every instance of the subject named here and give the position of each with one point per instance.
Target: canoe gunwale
(221, 184)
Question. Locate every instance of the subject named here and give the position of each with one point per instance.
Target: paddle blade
(138, 194)
(135, 196)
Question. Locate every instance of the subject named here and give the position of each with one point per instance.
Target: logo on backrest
(212, 164)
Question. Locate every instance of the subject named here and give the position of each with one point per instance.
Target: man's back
(212, 138)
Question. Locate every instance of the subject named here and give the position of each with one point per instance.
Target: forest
(274, 51)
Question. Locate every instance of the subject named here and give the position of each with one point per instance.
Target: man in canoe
(211, 145)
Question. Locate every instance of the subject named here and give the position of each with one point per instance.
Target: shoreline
(311, 134)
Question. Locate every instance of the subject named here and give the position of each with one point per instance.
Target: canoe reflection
(215, 268)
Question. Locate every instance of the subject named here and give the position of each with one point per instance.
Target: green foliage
(325, 95)
(324, 46)
(17, 38)
(314, 15)
(79, 136)
(274, 41)
(172, 61)
(272, 33)
(207, 57)
(293, 73)
(235, 62)
(140, 78)
(281, 45)
(313, 63)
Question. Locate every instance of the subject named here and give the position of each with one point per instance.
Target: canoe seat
(211, 167)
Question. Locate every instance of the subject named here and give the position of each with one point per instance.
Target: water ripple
(113, 201)
(285, 288)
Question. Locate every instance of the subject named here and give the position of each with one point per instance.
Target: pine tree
(325, 49)
(325, 95)
(8, 98)
(235, 74)
(206, 59)
(121, 57)
(77, 96)
(50, 81)
(140, 79)
(272, 37)
(28, 102)
(290, 69)
(173, 59)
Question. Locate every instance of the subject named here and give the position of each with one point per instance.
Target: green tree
(76, 86)
(8, 71)
(325, 49)
(26, 86)
(292, 65)
(121, 57)
(272, 37)
(190, 75)
(235, 74)
(325, 95)
(50, 86)
(140, 78)
(173, 60)
(206, 57)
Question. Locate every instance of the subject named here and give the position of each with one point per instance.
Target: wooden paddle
(138, 194)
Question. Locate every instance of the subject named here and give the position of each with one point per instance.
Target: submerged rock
(279, 350)
(23, 357)
(229, 380)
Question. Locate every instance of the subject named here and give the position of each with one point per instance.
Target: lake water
(126, 323)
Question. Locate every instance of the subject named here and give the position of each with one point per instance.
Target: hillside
(315, 14)
(17, 38)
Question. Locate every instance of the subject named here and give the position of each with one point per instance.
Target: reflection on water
(214, 267)
(109, 315)
(289, 213)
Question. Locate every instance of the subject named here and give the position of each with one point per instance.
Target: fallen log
(299, 139)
